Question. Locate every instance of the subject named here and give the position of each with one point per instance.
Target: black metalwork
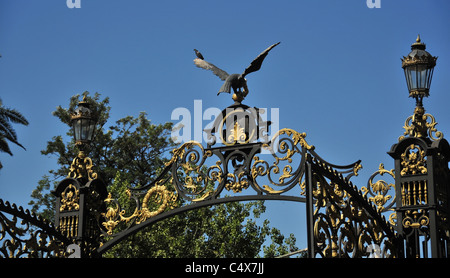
(31, 237)
(79, 205)
(341, 220)
(240, 163)
(422, 191)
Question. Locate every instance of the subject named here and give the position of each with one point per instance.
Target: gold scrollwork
(415, 219)
(82, 167)
(343, 226)
(23, 235)
(413, 162)
(285, 174)
(379, 189)
(418, 125)
(156, 200)
(194, 179)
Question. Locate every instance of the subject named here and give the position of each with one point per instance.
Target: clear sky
(336, 74)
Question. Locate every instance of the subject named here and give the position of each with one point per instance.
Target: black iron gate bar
(32, 237)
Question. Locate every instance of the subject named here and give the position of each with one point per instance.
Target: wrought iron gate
(240, 160)
(342, 220)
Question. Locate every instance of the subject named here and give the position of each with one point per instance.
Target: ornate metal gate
(240, 161)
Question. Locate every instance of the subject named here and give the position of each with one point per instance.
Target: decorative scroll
(345, 225)
(81, 167)
(379, 192)
(192, 176)
(195, 174)
(32, 237)
(156, 200)
(416, 219)
(291, 152)
(421, 125)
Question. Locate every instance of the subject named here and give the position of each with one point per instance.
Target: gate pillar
(422, 191)
(422, 179)
(79, 204)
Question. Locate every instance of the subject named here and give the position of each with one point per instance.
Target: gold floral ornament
(70, 199)
(413, 162)
(237, 182)
(379, 192)
(237, 135)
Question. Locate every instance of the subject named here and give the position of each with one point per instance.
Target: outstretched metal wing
(208, 66)
(255, 65)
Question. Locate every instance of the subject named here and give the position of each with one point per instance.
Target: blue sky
(336, 74)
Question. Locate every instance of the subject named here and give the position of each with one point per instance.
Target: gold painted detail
(288, 147)
(413, 162)
(380, 192)
(156, 200)
(237, 135)
(421, 125)
(193, 178)
(25, 235)
(379, 189)
(342, 226)
(81, 167)
(68, 225)
(415, 219)
(70, 199)
(414, 193)
(237, 182)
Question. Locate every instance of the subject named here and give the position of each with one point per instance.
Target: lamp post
(422, 176)
(79, 197)
(83, 123)
(418, 66)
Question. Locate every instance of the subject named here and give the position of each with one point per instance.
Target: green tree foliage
(131, 153)
(9, 116)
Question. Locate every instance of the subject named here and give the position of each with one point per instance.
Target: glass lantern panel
(417, 78)
(85, 130)
(77, 129)
(91, 129)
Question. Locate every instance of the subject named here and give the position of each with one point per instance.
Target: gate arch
(341, 221)
(125, 234)
(294, 164)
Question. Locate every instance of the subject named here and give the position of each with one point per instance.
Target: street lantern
(418, 66)
(83, 124)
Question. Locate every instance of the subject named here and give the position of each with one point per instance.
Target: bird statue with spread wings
(235, 80)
